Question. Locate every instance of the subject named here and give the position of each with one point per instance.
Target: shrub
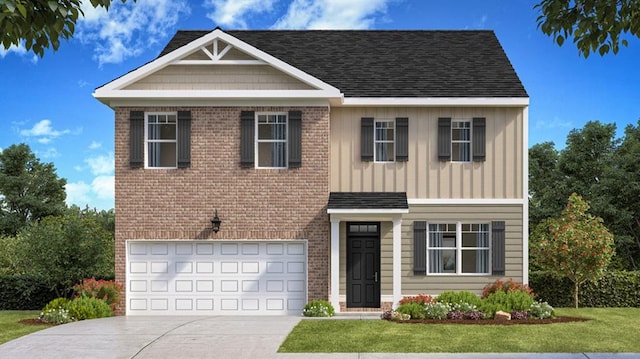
(395, 316)
(519, 315)
(56, 312)
(506, 286)
(414, 310)
(436, 310)
(420, 298)
(506, 302)
(455, 315)
(89, 308)
(107, 290)
(318, 308)
(474, 315)
(460, 297)
(541, 310)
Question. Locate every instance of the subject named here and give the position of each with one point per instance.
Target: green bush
(107, 290)
(318, 308)
(614, 289)
(506, 302)
(541, 310)
(58, 303)
(461, 297)
(25, 292)
(56, 312)
(89, 308)
(436, 310)
(414, 310)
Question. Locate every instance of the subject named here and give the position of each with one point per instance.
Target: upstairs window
(162, 140)
(461, 141)
(271, 140)
(384, 141)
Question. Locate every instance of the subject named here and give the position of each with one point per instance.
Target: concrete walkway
(206, 337)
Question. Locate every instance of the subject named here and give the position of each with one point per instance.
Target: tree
(546, 188)
(576, 245)
(40, 23)
(594, 25)
(29, 190)
(66, 249)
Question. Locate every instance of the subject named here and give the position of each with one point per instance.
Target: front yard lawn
(609, 330)
(11, 328)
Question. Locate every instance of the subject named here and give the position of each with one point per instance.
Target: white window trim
(458, 120)
(258, 141)
(459, 249)
(376, 141)
(146, 139)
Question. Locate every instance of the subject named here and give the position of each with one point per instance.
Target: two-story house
(257, 170)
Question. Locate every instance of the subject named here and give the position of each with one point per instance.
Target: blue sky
(47, 102)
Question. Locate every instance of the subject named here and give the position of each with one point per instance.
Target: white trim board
(469, 201)
(367, 211)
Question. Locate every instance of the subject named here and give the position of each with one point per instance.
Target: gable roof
(366, 63)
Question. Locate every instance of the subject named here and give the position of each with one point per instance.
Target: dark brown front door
(363, 265)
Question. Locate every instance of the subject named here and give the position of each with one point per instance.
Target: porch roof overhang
(367, 203)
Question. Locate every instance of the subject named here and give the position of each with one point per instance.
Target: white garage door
(197, 277)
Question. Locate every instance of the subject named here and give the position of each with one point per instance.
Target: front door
(363, 265)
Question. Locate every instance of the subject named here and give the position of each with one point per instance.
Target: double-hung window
(271, 140)
(460, 141)
(458, 248)
(161, 140)
(384, 141)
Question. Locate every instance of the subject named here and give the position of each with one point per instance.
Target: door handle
(375, 277)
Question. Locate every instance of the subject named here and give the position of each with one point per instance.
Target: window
(384, 141)
(461, 141)
(458, 248)
(161, 140)
(271, 140)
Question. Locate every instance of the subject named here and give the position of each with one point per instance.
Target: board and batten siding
(223, 77)
(423, 175)
(434, 284)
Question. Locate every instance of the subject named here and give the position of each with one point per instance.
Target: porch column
(335, 263)
(397, 260)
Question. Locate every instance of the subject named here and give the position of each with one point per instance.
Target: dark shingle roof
(366, 63)
(367, 200)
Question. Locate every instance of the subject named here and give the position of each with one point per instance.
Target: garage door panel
(191, 277)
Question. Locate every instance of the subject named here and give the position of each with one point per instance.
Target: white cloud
(95, 145)
(101, 165)
(78, 193)
(126, 30)
(44, 132)
(232, 13)
(99, 194)
(555, 123)
(48, 153)
(103, 187)
(19, 51)
(332, 14)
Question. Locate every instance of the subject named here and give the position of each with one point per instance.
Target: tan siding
(223, 77)
(433, 284)
(423, 176)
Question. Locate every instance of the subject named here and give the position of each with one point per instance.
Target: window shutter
(295, 139)
(184, 139)
(136, 139)
(479, 139)
(444, 139)
(247, 138)
(419, 247)
(497, 247)
(366, 139)
(402, 139)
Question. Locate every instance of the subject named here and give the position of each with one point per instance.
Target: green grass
(609, 330)
(10, 327)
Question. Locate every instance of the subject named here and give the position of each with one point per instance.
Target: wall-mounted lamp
(215, 223)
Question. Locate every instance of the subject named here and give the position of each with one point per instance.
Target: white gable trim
(433, 101)
(114, 89)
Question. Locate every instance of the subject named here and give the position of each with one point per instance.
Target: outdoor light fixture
(215, 223)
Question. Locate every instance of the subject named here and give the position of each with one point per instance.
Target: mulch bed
(35, 321)
(497, 322)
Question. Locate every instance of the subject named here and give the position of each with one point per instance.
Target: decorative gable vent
(218, 52)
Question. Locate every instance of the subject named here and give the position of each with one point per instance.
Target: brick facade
(253, 204)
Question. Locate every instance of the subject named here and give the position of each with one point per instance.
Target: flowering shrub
(393, 315)
(318, 308)
(436, 310)
(506, 286)
(420, 298)
(519, 315)
(474, 315)
(541, 310)
(107, 290)
(56, 312)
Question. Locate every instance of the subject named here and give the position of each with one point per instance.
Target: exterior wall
(434, 284)
(253, 204)
(223, 77)
(423, 176)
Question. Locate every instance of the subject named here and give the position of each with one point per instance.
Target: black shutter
(419, 247)
(402, 139)
(295, 139)
(136, 139)
(184, 139)
(497, 247)
(444, 139)
(247, 138)
(366, 139)
(479, 139)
